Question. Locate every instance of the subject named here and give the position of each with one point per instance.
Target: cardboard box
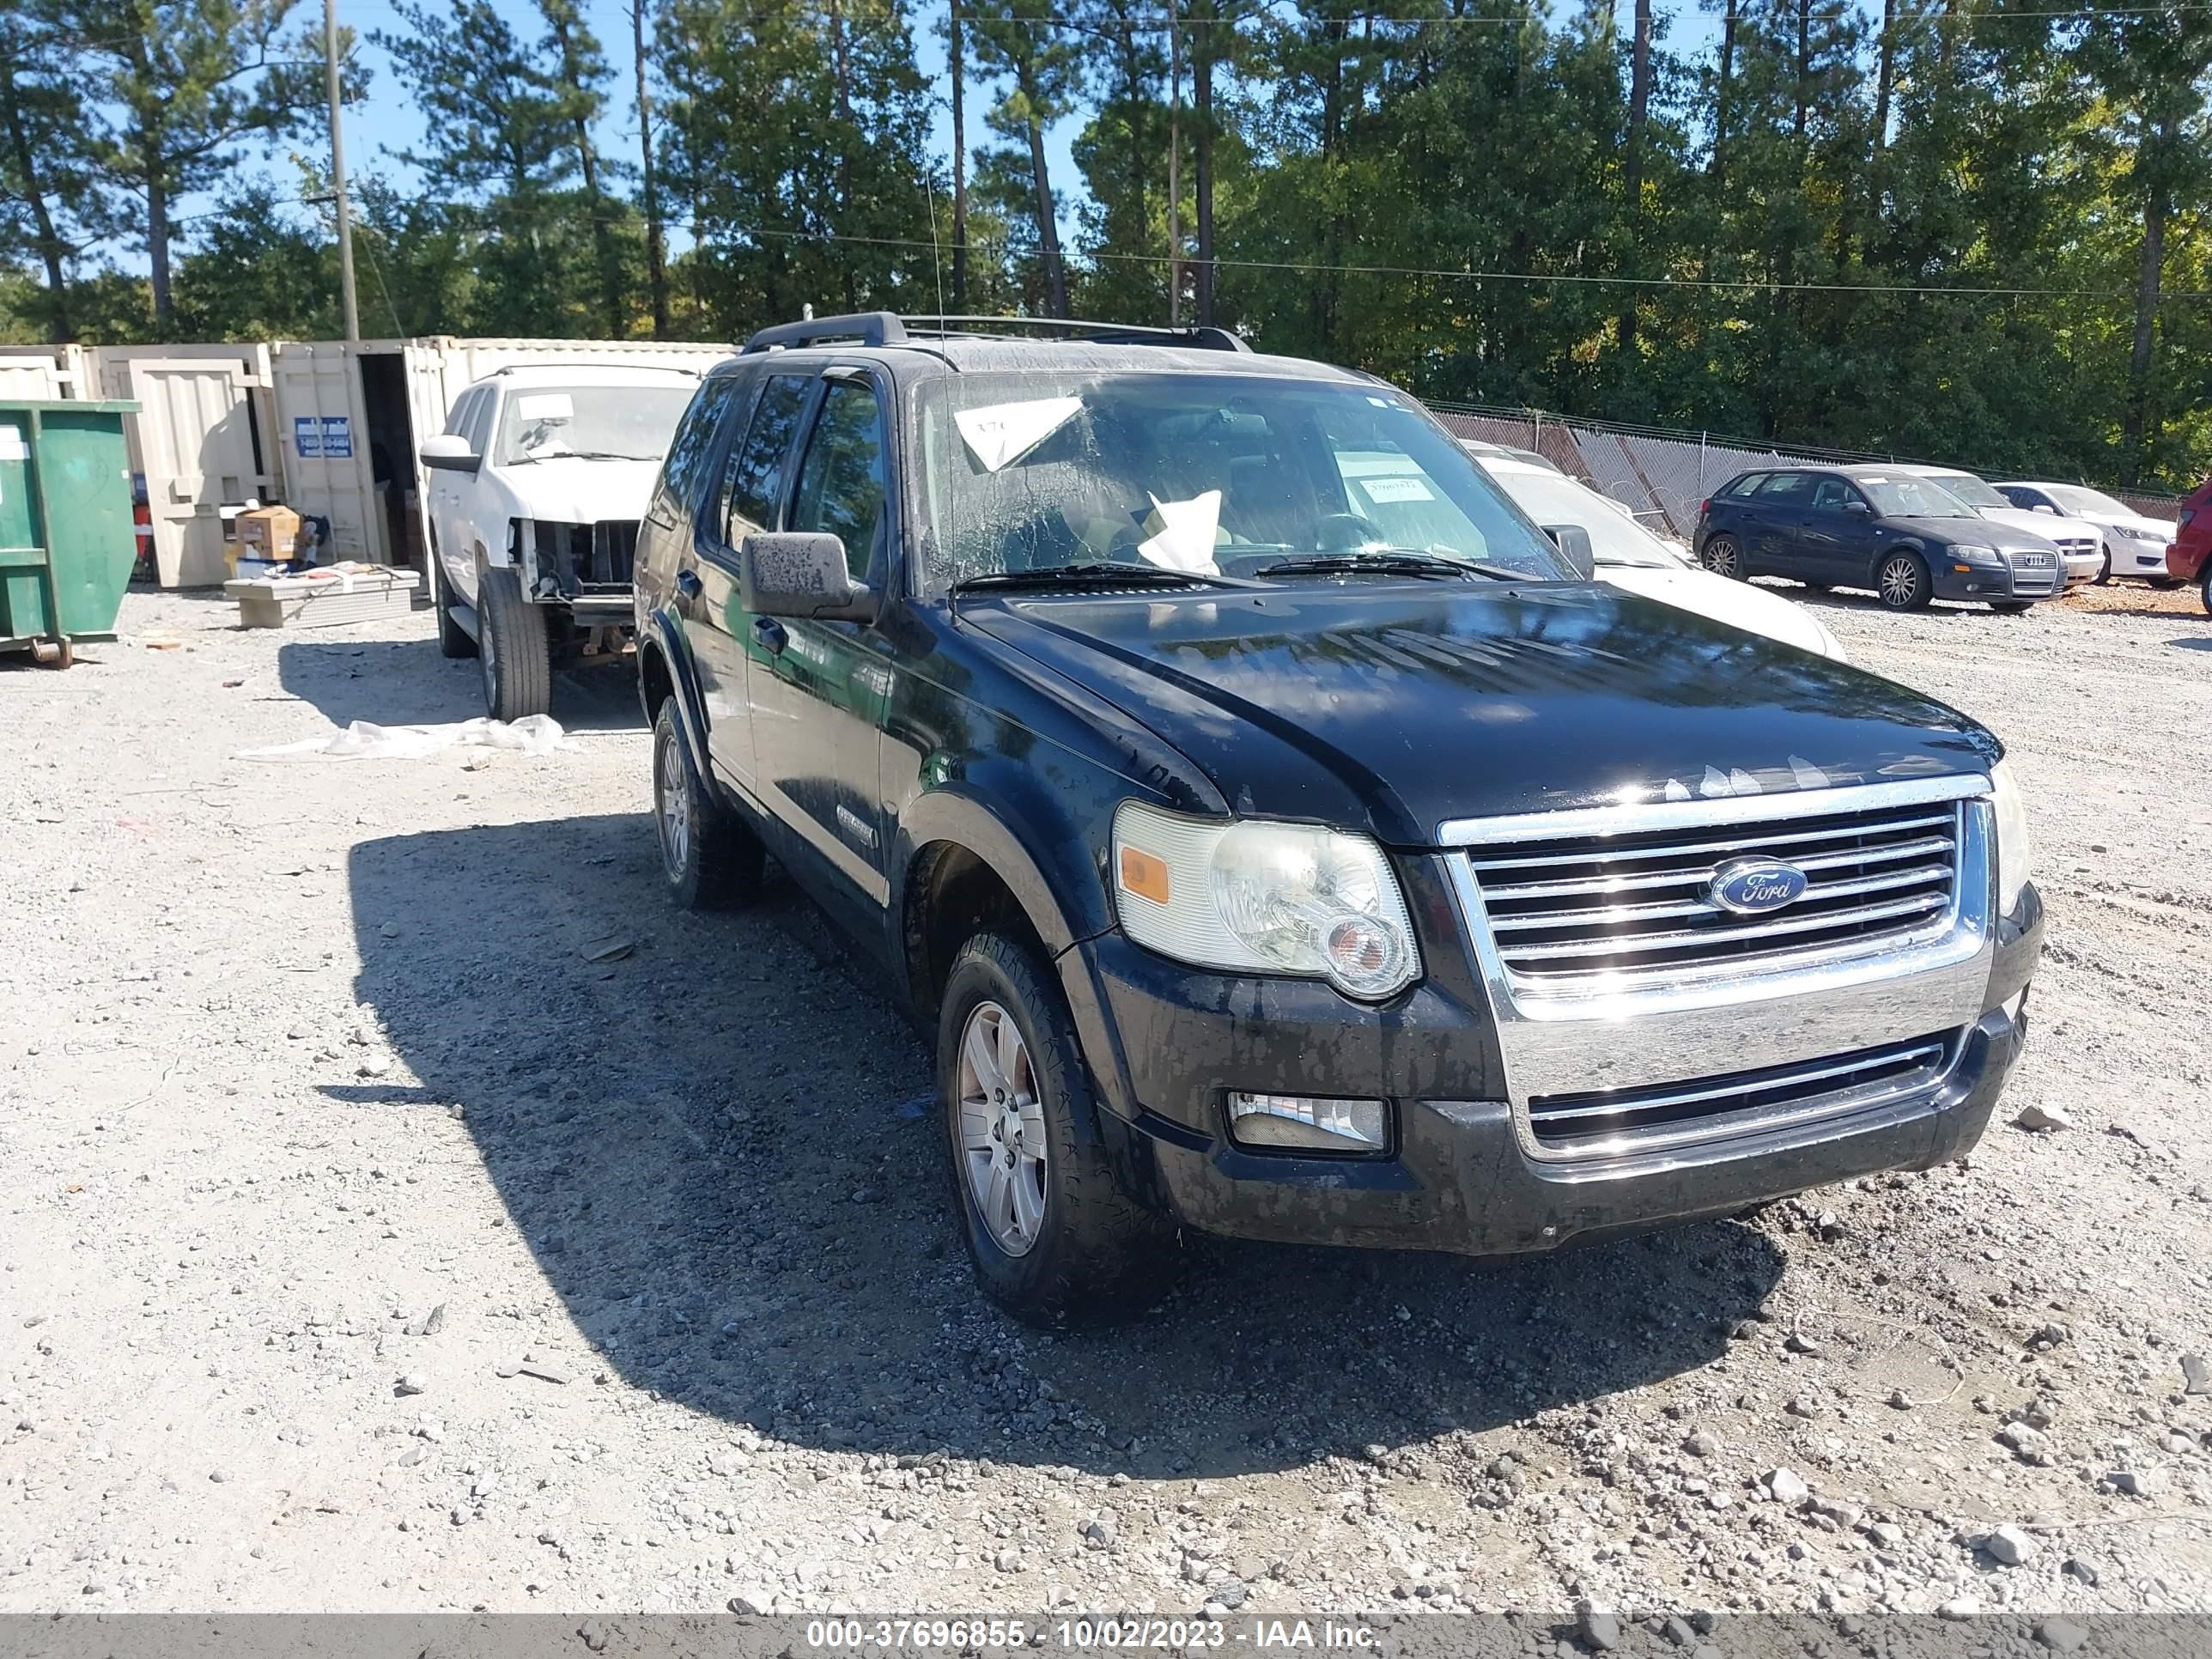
(268, 532)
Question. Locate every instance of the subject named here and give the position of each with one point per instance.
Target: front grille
(1620, 1119)
(1592, 912)
(2032, 559)
(2035, 572)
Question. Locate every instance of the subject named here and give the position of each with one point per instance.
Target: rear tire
(516, 652)
(453, 641)
(1087, 1252)
(709, 856)
(1902, 582)
(1723, 558)
(2204, 588)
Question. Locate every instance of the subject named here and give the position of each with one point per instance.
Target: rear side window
(688, 451)
(757, 464)
(1745, 484)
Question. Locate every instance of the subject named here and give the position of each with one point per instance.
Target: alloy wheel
(1002, 1132)
(674, 805)
(1901, 583)
(1720, 557)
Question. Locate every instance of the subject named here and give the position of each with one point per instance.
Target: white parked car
(1629, 555)
(2135, 544)
(2080, 544)
(535, 489)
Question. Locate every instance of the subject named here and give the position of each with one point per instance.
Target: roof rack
(867, 328)
(1203, 338)
(882, 328)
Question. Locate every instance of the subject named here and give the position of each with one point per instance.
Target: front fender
(661, 633)
(1054, 867)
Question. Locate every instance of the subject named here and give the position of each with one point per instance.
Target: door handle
(687, 585)
(771, 635)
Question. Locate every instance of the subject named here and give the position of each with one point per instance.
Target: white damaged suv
(537, 488)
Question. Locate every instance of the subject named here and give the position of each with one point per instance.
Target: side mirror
(1862, 509)
(1574, 544)
(800, 574)
(449, 451)
(2045, 506)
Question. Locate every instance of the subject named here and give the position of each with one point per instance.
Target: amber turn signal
(1144, 875)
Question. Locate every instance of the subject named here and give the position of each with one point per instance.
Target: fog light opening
(1309, 1123)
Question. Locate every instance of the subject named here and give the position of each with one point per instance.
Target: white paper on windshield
(1181, 534)
(998, 435)
(1382, 491)
(545, 406)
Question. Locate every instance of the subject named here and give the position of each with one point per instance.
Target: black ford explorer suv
(1283, 836)
(1905, 537)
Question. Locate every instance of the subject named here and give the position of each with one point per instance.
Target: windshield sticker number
(998, 435)
(1382, 491)
(1181, 534)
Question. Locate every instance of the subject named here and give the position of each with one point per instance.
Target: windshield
(604, 422)
(1615, 538)
(2074, 498)
(1914, 498)
(1971, 490)
(1205, 473)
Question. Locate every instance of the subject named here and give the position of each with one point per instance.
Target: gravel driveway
(405, 1208)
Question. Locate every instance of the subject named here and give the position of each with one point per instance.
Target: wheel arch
(665, 672)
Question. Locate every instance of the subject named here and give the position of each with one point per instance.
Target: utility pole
(337, 172)
(1175, 163)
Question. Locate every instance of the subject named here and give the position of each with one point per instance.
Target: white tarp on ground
(533, 734)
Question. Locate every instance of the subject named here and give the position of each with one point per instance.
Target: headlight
(1269, 898)
(2014, 851)
(1974, 553)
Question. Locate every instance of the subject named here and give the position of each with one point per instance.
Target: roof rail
(867, 328)
(1203, 338)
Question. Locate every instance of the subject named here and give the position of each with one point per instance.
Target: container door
(199, 451)
(322, 431)
(430, 400)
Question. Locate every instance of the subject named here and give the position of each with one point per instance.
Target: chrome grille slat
(1873, 877)
(1814, 892)
(1608, 1122)
(1734, 844)
(1570, 888)
(1684, 939)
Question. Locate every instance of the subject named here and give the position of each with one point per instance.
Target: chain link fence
(1661, 477)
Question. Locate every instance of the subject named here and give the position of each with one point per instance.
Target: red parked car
(2190, 558)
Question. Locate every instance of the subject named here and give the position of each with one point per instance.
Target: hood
(572, 490)
(2051, 528)
(1395, 708)
(1737, 604)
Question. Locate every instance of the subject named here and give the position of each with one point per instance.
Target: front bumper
(1459, 1177)
(1956, 579)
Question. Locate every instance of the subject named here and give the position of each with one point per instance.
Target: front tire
(2104, 570)
(1724, 558)
(1903, 583)
(1053, 1238)
(709, 857)
(2204, 588)
(516, 652)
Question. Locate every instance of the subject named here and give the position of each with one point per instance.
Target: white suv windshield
(1207, 472)
(2074, 498)
(1615, 538)
(590, 422)
(1970, 489)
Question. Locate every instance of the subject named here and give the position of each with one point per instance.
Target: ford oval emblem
(1752, 887)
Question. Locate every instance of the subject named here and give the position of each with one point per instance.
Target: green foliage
(1971, 233)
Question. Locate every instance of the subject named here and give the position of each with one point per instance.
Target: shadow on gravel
(720, 1149)
(2203, 644)
(407, 682)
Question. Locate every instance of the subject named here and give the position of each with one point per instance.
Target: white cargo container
(329, 430)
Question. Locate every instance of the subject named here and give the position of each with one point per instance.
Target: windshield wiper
(1390, 562)
(1097, 574)
(580, 455)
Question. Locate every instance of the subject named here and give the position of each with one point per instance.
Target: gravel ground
(380, 1235)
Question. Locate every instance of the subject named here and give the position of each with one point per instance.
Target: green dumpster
(67, 543)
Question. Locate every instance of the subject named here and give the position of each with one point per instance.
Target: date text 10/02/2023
(1082, 1635)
